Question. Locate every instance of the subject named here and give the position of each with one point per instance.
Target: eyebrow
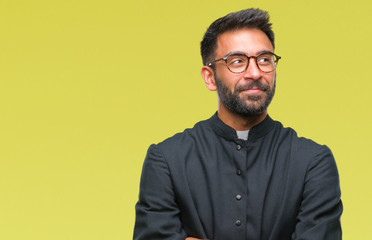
(240, 52)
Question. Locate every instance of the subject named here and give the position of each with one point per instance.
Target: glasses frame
(277, 58)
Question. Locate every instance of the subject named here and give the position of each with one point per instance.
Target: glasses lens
(266, 62)
(237, 63)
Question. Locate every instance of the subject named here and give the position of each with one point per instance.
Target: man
(240, 174)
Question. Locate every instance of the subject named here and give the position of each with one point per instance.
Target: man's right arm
(157, 213)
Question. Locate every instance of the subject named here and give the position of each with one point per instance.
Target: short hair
(252, 18)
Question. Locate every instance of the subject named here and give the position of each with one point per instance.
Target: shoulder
(301, 144)
(189, 134)
(302, 148)
(310, 152)
(309, 147)
(184, 141)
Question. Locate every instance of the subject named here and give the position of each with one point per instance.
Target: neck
(237, 121)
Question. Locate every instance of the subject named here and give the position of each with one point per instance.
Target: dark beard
(233, 102)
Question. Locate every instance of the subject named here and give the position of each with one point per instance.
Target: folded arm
(321, 207)
(157, 213)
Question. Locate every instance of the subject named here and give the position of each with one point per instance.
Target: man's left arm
(321, 206)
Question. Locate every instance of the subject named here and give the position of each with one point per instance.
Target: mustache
(250, 85)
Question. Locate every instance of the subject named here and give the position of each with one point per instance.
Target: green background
(87, 86)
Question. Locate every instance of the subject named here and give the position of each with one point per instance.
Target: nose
(252, 72)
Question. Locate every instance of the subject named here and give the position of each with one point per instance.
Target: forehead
(249, 41)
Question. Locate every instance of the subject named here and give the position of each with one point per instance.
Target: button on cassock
(238, 197)
(238, 147)
(238, 223)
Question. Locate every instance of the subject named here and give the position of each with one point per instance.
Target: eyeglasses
(239, 62)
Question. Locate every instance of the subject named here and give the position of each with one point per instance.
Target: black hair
(252, 18)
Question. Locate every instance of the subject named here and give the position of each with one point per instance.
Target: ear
(208, 76)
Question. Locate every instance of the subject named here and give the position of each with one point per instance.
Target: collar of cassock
(229, 133)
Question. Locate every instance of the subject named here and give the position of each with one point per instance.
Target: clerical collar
(243, 134)
(229, 133)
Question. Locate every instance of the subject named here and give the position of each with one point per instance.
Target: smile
(253, 91)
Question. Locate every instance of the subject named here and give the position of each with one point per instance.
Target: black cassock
(206, 183)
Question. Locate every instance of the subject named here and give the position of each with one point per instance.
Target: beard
(249, 105)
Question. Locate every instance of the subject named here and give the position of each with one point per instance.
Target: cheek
(220, 72)
(227, 78)
(270, 79)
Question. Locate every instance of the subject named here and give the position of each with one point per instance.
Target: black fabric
(206, 183)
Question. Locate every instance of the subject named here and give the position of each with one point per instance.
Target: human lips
(253, 90)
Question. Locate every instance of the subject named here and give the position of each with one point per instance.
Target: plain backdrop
(87, 86)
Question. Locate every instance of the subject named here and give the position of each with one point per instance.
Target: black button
(238, 223)
(239, 172)
(238, 147)
(238, 197)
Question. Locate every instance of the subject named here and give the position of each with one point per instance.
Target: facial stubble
(250, 105)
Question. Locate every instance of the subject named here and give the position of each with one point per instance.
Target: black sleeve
(321, 206)
(157, 213)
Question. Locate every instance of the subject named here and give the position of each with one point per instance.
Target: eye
(236, 60)
(265, 59)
